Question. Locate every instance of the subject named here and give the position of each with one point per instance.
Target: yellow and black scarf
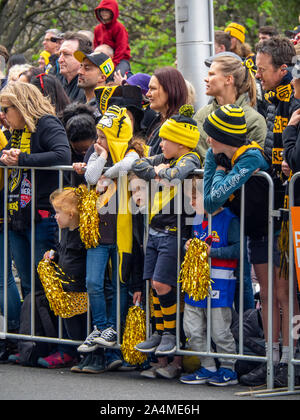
(281, 98)
(19, 184)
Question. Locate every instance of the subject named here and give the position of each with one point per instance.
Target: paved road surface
(24, 383)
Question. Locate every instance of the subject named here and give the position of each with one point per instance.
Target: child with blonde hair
(69, 261)
(116, 150)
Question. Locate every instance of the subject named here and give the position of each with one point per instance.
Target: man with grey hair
(51, 43)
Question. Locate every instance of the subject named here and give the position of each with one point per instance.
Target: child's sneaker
(56, 360)
(83, 362)
(224, 377)
(14, 358)
(150, 344)
(199, 377)
(107, 338)
(90, 344)
(96, 365)
(113, 359)
(169, 372)
(167, 345)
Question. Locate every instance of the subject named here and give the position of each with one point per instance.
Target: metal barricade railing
(240, 354)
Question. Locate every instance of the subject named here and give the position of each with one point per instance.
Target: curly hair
(29, 101)
(280, 49)
(66, 200)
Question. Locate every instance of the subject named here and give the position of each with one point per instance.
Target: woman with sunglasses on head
(230, 81)
(38, 139)
(51, 87)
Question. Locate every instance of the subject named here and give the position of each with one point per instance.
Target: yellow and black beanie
(181, 128)
(237, 31)
(227, 125)
(117, 127)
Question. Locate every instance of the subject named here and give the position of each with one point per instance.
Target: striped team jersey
(222, 270)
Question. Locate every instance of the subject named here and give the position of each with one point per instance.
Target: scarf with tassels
(19, 185)
(281, 97)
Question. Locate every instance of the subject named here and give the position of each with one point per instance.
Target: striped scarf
(281, 98)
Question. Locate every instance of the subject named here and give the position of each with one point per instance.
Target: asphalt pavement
(28, 383)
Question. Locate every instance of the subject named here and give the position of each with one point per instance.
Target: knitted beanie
(181, 128)
(46, 55)
(237, 31)
(117, 127)
(227, 125)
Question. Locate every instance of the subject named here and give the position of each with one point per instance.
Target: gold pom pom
(62, 303)
(187, 110)
(134, 333)
(195, 272)
(88, 217)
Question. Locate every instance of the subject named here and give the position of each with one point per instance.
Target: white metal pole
(194, 42)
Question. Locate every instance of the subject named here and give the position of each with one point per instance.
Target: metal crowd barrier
(240, 354)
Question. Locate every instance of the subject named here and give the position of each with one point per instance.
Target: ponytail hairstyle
(243, 80)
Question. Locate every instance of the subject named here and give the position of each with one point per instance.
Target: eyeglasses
(4, 109)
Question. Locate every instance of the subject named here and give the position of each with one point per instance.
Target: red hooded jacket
(113, 34)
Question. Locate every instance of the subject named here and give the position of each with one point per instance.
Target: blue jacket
(219, 185)
(222, 269)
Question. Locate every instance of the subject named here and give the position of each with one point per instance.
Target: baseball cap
(208, 61)
(291, 33)
(101, 60)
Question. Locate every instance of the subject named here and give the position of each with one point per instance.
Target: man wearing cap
(95, 69)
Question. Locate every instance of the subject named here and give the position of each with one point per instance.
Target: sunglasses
(4, 109)
(52, 39)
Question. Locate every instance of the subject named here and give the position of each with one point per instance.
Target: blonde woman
(38, 139)
(230, 82)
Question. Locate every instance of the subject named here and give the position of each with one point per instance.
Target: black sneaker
(97, 364)
(256, 377)
(85, 360)
(281, 376)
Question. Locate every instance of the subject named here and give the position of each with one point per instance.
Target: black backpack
(253, 337)
(46, 325)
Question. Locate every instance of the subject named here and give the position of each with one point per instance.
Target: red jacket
(113, 34)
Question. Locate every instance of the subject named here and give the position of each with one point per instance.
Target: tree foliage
(150, 23)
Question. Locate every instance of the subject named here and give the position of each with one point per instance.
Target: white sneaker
(89, 344)
(107, 338)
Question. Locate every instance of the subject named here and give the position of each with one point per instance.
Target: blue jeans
(45, 239)
(13, 296)
(96, 264)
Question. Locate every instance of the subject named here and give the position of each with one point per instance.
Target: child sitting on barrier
(67, 276)
(115, 149)
(224, 251)
(180, 136)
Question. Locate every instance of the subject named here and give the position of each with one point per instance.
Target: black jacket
(291, 144)
(49, 147)
(71, 258)
(75, 93)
